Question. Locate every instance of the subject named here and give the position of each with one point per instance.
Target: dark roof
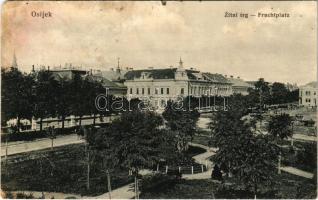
(153, 73)
(313, 84)
(169, 73)
(66, 74)
(190, 74)
(105, 82)
(216, 77)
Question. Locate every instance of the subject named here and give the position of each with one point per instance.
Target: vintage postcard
(159, 99)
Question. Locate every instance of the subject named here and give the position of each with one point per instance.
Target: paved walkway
(44, 143)
(304, 137)
(297, 172)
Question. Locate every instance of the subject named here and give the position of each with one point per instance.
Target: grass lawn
(204, 140)
(286, 186)
(185, 162)
(63, 170)
(304, 158)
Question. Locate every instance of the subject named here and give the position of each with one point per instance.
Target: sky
(148, 34)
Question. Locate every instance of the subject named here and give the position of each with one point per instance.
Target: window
(148, 90)
(161, 91)
(301, 93)
(182, 90)
(167, 90)
(308, 100)
(142, 90)
(307, 93)
(156, 90)
(137, 91)
(130, 91)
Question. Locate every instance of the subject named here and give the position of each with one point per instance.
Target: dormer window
(144, 75)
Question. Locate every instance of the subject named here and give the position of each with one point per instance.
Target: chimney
(225, 76)
(231, 76)
(238, 77)
(91, 71)
(111, 69)
(33, 68)
(48, 68)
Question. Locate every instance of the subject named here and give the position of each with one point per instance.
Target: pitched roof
(152, 73)
(215, 77)
(105, 82)
(113, 74)
(237, 82)
(66, 75)
(313, 84)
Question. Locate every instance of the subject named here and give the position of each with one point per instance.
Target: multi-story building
(308, 94)
(239, 86)
(157, 86)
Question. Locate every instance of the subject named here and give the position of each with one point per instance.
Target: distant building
(308, 94)
(239, 86)
(68, 73)
(114, 88)
(159, 85)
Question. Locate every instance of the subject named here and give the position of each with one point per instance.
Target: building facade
(308, 94)
(239, 86)
(157, 86)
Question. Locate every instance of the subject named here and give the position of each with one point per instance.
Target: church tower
(14, 61)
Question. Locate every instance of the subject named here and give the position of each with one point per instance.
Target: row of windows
(193, 90)
(206, 90)
(309, 100)
(307, 93)
(156, 91)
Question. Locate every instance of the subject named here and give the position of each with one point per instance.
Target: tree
(135, 140)
(182, 121)
(258, 157)
(293, 96)
(280, 126)
(279, 93)
(247, 156)
(78, 97)
(64, 100)
(45, 100)
(260, 95)
(16, 95)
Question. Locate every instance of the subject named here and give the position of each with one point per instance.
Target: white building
(308, 94)
(160, 85)
(239, 86)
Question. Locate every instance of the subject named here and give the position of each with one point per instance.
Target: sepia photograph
(159, 100)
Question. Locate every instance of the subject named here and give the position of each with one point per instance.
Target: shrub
(157, 182)
(308, 157)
